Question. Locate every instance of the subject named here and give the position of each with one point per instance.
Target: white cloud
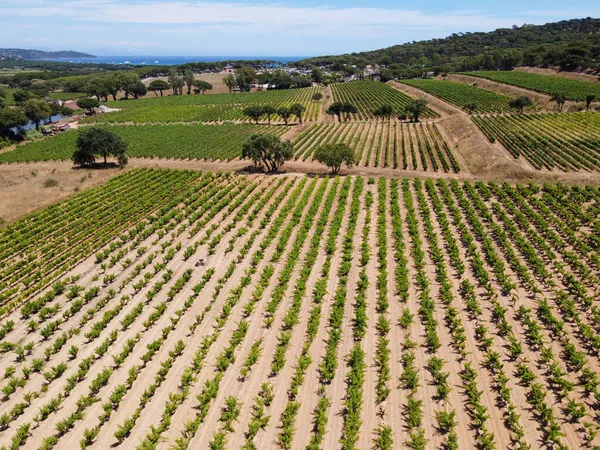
(256, 18)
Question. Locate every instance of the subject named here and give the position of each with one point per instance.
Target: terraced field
(212, 142)
(546, 84)
(569, 141)
(381, 144)
(463, 95)
(367, 96)
(179, 309)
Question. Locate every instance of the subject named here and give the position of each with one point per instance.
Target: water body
(172, 60)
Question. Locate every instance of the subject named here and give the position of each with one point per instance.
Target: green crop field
(367, 96)
(546, 84)
(207, 108)
(381, 144)
(568, 141)
(462, 94)
(215, 142)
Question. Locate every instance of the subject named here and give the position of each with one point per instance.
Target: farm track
(264, 244)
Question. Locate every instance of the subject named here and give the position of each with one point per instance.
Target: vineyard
(567, 141)
(382, 144)
(546, 84)
(207, 108)
(367, 96)
(180, 309)
(463, 95)
(213, 142)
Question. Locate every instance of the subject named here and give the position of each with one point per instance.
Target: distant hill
(569, 44)
(28, 54)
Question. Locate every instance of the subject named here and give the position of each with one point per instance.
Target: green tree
(96, 87)
(347, 109)
(317, 96)
(336, 109)
(88, 104)
(189, 80)
(20, 96)
(416, 109)
(588, 101)
(255, 112)
(11, 118)
(334, 155)
(158, 86)
(3, 94)
(560, 98)
(470, 107)
(297, 110)
(285, 113)
(520, 103)
(102, 142)
(176, 82)
(138, 89)
(317, 75)
(37, 109)
(385, 112)
(268, 150)
(202, 86)
(244, 77)
(129, 83)
(268, 111)
(229, 81)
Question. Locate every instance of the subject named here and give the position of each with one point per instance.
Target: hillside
(570, 44)
(28, 54)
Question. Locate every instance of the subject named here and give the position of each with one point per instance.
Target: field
(215, 142)
(568, 141)
(180, 309)
(574, 89)
(206, 108)
(380, 144)
(367, 96)
(462, 94)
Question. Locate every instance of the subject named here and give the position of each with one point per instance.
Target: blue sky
(258, 28)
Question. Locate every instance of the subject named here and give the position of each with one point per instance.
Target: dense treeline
(570, 44)
(49, 70)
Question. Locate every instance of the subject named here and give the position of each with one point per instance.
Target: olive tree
(268, 150)
(285, 113)
(334, 155)
(101, 142)
(297, 110)
(255, 112)
(520, 103)
(416, 109)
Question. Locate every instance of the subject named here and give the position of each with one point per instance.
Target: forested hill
(28, 54)
(570, 44)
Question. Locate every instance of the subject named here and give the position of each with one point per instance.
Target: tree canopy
(520, 103)
(297, 110)
(255, 112)
(158, 86)
(88, 103)
(334, 155)
(202, 86)
(102, 142)
(268, 150)
(416, 109)
(37, 109)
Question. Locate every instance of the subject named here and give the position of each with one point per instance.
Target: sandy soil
(392, 412)
(216, 79)
(25, 188)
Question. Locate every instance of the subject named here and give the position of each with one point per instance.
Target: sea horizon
(157, 60)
